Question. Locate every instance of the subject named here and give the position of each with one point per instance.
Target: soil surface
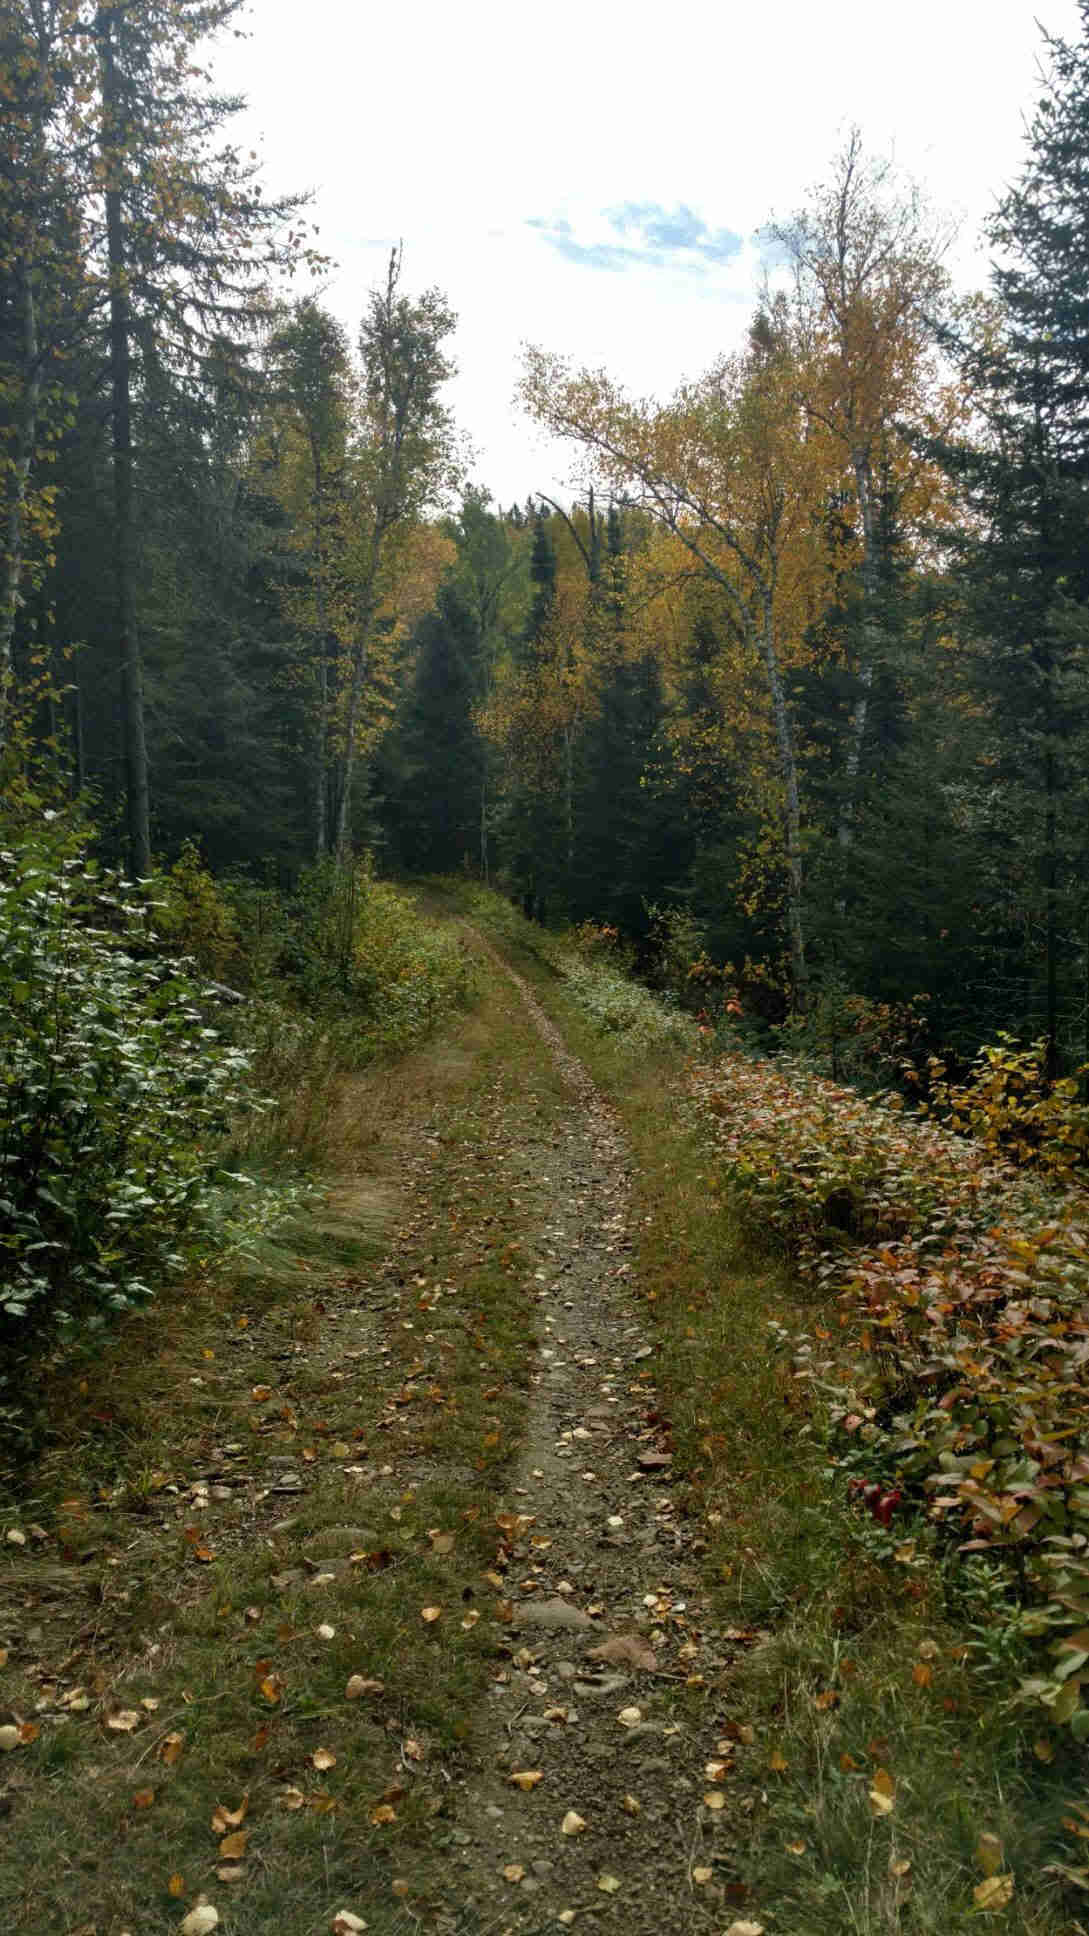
(606, 1706)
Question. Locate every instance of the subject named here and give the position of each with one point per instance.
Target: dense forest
(804, 668)
(602, 978)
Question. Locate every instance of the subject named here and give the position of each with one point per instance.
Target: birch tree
(868, 287)
(728, 468)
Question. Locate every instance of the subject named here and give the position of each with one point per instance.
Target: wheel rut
(605, 1698)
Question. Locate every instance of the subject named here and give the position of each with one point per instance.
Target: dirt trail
(608, 1693)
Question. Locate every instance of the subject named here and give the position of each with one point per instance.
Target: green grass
(135, 1589)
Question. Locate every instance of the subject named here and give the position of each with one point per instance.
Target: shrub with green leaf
(116, 1090)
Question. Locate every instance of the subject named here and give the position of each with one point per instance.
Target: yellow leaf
(233, 1847)
(176, 1886)
(572, 1824)
(609, 1883)
(323, 1758)
(777, 1762)
(527, 1778)
(702, 1875)
(989, 1854)
(383, 1815)
(225, 1818)
(714, 1800)
(514, 1872)
(995, 1892)
(430, 1614)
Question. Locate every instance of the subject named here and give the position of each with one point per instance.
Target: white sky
(458, 126)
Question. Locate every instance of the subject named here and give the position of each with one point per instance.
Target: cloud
(644, 235)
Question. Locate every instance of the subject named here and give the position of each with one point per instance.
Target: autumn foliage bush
(950, 1346)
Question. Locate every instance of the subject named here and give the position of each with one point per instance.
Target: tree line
(801, 677)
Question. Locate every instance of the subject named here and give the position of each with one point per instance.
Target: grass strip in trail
(886, 1778)
(244, 1615)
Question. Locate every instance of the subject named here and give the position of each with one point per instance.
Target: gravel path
(606, 1703)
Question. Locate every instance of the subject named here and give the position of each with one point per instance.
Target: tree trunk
(792, 815)
(355, 694)
(18, 484)
(321, 730)
(860, 713)
(124, 557)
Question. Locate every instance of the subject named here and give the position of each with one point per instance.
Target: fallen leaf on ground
(514, 1872)
(630, 1805)
(994, 1892)
(231, 1872)
(200, 1920)
(630, 1717)
(572, 1823)
(609, 1883)
(383, 1815)
(9, 1739)
(777, 1762)
(176, 1885)
(745, 1929)
(527, 1778)
(714, 1770)
(345, 1924)
(359, 1686)
(292, 1798)
(629, 1650)
(323, 1758)
(430, 1614)
(225, 1818)
(124, 1720)
(272, 1687)
(702, 1875)
(233, 1847)
(143, 1798)
(989, 1854)
(714, 1799)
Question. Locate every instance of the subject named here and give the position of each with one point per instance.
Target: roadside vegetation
(168, 1055)
(872, 1337)
(244, 1618)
